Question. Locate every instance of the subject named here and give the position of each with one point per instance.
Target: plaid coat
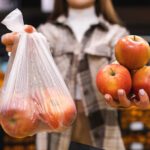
(81, 62)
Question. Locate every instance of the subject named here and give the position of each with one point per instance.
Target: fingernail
(107, 97)
(120, 92)
(142, 92)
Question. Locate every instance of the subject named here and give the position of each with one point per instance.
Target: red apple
(56, 110)
(18, 117)
(132, 52)
(48, 109)
(70, 113)
(113, 77)
(141, 80)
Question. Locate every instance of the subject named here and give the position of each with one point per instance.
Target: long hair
(104, 7)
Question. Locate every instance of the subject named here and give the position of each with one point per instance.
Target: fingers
(124, 101)
(143, 103)
(9, 48)
(110, 101)
(29, 29)
(9, 38)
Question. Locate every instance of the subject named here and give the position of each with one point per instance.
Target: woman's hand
(8, 39)
(124, 102)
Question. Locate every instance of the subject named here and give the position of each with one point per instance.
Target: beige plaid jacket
(81, 62)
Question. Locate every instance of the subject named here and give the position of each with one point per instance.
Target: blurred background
(135, 124)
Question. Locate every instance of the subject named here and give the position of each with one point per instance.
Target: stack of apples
(44, 109)
(131, 73)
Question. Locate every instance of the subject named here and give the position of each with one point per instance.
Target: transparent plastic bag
(34, 97)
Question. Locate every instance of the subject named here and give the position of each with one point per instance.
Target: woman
(82, 35)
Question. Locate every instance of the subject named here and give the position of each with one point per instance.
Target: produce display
(135, 126)
(131, 73)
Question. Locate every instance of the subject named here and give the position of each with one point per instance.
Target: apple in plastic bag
(18, 118)
(56, 110)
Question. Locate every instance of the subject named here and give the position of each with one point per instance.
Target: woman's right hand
(8, 39)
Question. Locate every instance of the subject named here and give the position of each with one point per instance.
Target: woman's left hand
(124, 102)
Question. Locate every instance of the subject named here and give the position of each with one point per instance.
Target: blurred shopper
(82, 35)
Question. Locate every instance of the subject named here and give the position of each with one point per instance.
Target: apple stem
(112, 72)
